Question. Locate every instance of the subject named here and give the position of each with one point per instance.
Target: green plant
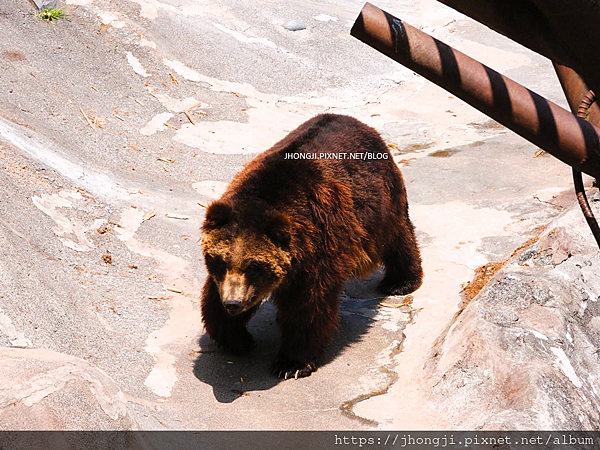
(52, 14)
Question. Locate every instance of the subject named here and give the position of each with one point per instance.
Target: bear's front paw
(285, 368)
(239, 342)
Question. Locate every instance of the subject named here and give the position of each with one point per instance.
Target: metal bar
(572, 140)
(582, 102)
(575, 90)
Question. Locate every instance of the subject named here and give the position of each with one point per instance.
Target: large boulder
(523, 354)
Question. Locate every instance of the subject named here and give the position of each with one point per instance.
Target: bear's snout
(235, 293)
(233, 307)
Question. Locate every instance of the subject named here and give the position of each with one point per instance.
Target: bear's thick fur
(324, 204)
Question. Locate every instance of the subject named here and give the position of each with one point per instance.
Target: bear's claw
(292, 369)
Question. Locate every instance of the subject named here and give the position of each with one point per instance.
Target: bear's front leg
(306, 328)
(228, 331)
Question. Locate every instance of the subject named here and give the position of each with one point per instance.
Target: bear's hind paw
(287, 369)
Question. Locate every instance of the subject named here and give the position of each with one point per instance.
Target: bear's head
(247, 253)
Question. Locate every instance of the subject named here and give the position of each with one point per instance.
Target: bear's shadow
(233, 376)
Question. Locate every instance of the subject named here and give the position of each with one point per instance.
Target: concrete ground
(121, 122)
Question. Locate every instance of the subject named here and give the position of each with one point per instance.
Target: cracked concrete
(121, 123)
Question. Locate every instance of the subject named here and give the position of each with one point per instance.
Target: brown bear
(324, 204)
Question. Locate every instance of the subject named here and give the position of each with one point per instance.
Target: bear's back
(327, 152)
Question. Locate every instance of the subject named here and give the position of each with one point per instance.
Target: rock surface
(120, 124)
(46, 4)
(523, 354)
(294, 25)
(54, 391)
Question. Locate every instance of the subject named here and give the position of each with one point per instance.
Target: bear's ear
(278, 227)
(218, 215)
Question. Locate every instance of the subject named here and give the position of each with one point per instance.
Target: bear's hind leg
(228, 331)
(402, 261)
(305, 332)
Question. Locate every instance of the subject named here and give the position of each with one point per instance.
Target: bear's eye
(258, 272)
(216, 265)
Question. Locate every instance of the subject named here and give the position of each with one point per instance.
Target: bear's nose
(233, 306)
